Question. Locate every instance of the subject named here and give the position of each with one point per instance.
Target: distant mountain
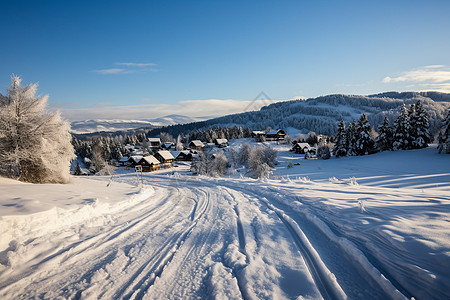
(322, 114)
(93, 126)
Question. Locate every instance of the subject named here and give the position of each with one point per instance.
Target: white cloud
(127, 68)
(191, 108)
(139, 65)
(111, 71)
(426, 74)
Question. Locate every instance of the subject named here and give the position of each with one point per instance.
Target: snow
(369, 227)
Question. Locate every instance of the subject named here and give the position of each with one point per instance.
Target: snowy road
(185, 237)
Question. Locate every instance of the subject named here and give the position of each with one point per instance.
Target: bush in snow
(35, 145)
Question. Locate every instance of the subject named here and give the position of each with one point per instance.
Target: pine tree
(384, 140)
(419, 128)
(351, 139)
(444, 135)
(402, 130)
(364, 142)
(35, 145)
(340, 146)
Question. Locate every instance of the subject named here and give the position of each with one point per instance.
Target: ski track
(171, 245)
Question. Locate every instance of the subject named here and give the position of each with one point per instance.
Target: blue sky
(109, 59)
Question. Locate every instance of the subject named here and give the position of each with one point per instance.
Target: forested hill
(322, 114)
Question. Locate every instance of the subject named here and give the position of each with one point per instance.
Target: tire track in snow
(154, 269)
(324, 279)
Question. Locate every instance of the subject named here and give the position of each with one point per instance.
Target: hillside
(322, 114)
(93, 126)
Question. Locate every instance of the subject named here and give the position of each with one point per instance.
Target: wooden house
(303, 148)
(149, 163)
(196, 144)
(182, 155)
(164, 157)
(221, 143)
(154, 143)
(258, 133)
(168, 146)
(276, 135)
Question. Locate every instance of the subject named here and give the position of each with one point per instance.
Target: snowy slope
(372, 227)
(91, 126)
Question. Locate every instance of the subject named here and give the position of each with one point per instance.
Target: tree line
(409, 131)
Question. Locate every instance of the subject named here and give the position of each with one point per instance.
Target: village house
(221, 143)
(303, 148)
(276, 135)
(133, 161)
(168, 146)
(196, 144)
(182, 155)
(154, 143)
(149, 163)
(258, 134)
(165, 158)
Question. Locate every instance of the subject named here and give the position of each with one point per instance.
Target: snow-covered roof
(124, 159)
(303, 145)
(167, 145)
(221, 141)
(136, 158)
(258, 132)
(166, 154)
(154, 140)
(177, 153)
(150, 159)
(274, 132)
(197, 143)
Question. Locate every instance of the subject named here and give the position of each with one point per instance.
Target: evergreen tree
(444, 135)
(364, 142)
(419, 128)
(340, 146)
(384, 139)
(351, 139)
(402, 130)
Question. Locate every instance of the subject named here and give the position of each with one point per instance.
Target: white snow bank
(31, 211)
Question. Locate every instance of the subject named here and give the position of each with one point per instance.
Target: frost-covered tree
(35, 145)
(384, 139)
(243, 155)
(260, 161)
(402, 130)
(364, 142)
(340, 146)
(218, 165)
(200, 164)
(179, 144)
(419, 127)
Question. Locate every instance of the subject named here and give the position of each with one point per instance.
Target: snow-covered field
(371, 227)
